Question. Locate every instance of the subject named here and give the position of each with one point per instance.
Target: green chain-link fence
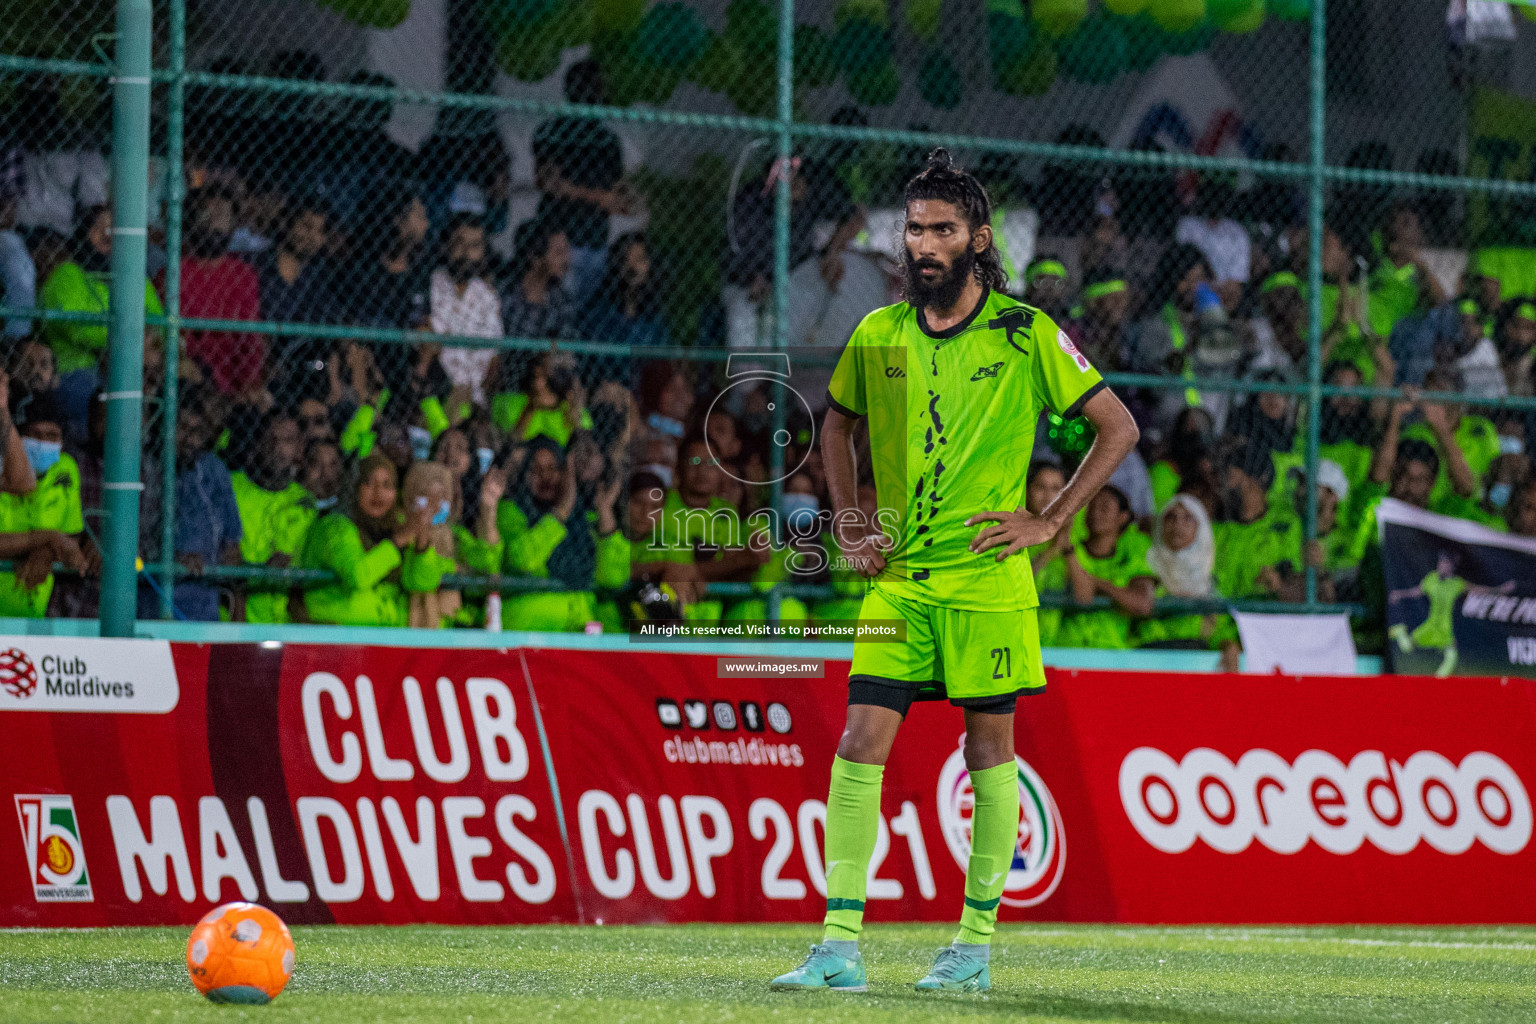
(452, 228)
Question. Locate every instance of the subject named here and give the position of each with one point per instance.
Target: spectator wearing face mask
(477, 487)
(549, 535)
(380, 553)
(1183, 555)
(1110, 562)
(464, 303)
(216, 285)
(39, 525)
(321, 473)
(1506, 473)
(275, 511)
(429, 486)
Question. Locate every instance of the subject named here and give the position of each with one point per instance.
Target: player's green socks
(853, 823)
(994, 834)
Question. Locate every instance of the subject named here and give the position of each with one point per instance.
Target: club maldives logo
(89, 675)
(1041, 854)
(50, 833)
(18, 676)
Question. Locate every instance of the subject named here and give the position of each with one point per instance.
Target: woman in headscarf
(1183, 555)
(476, 490)
(555, 530)
(380, 552)
(429, 486)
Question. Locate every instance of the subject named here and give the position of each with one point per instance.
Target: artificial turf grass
(608, 975)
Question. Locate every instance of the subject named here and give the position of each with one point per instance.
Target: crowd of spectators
(400, 468)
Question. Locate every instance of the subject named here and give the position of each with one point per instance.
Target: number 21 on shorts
(1002, 663)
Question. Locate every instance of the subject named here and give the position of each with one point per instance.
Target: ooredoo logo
(1394, 805)
(1041, 854)
(18, 676)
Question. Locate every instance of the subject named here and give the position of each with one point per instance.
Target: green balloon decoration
(922, 18)
(1007, 40)
(1300, 10)
(1058, 17)
(670, 36)
(531, 57)
(1125, 8)
(718, 67)
(939, 83)
(1034, 75)
(875, 85)
(1144, 43)
(1247, 17)
(753, 26)
(815, 62)
(504, 17)
(860, 44)
(1096, 52)
(1177, 15)
(855, 10)
(1194, 40)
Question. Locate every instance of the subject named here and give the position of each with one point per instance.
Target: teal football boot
(824, 969)
(953, 971)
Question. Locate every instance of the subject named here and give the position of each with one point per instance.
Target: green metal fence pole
(781, 268)
(175, 121)
(1315, 281)
(125, 359)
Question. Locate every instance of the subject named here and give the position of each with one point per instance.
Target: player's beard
(944, 291)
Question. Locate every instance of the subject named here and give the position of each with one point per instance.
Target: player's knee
(863, 746)
(983, 752)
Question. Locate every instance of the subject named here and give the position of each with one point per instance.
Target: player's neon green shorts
(977, 659)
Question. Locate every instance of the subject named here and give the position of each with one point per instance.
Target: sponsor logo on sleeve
(50, 833)
(1066, 345)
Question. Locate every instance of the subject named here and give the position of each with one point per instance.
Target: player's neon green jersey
(1438, 628)
(952, 418)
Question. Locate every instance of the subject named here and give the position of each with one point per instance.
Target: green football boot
(824, 969)
(953, 971)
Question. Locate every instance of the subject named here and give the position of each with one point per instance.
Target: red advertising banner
(363, 784)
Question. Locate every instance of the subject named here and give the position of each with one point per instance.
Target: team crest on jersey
(1014, 321)
(1070, 349)
(986, 371)
(1039, 856)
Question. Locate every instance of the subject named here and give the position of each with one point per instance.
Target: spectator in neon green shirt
(1047, 559)
(557, 530)
(1252, 536)
(39, 526)
(1468, 444)
(650, 560)
(1402, 284)
(696, 519)
(322, 473)
(81, 285)
(428, 486)
(378, 551)
(276, 511)
(1111, 562)
(550, 403)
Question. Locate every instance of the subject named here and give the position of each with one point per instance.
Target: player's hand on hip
(866, 552)
(1018, 530)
